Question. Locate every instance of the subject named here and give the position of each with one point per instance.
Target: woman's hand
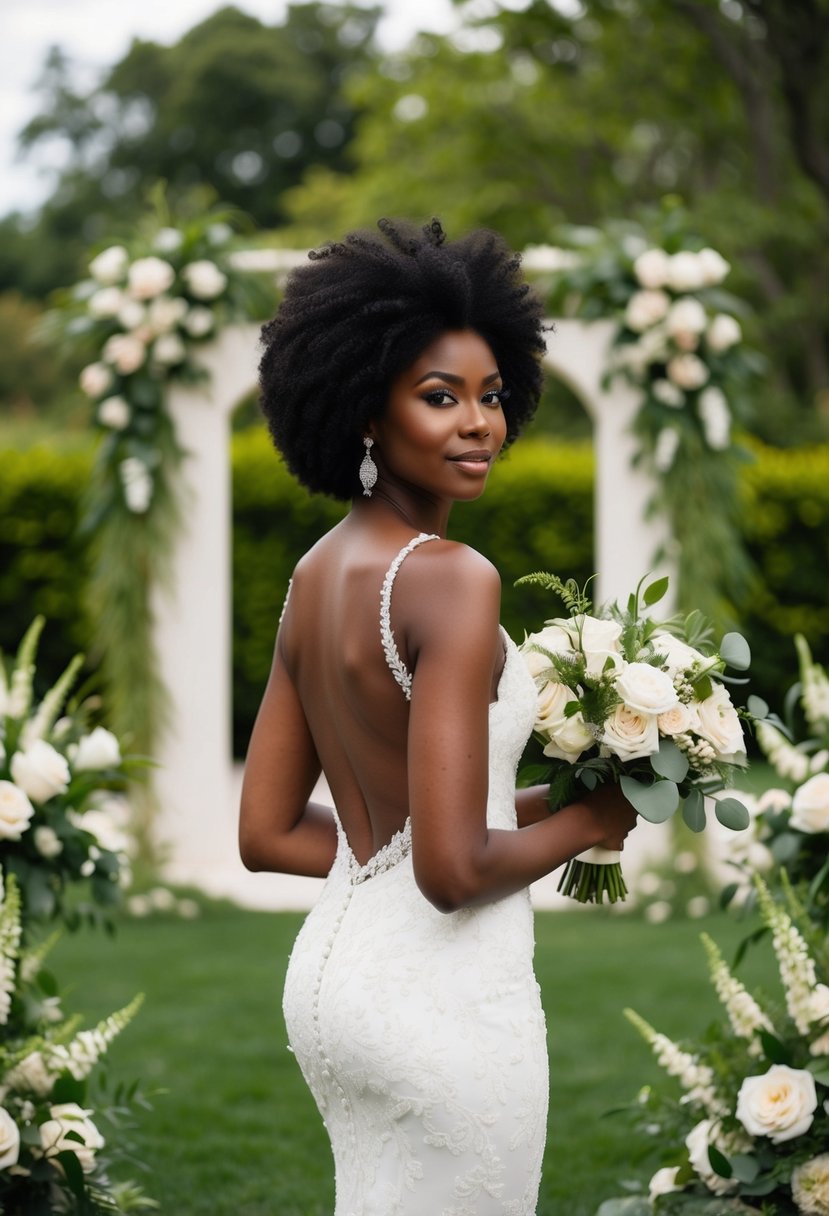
(614, 814)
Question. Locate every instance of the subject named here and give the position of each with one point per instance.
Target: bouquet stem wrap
(594, 875)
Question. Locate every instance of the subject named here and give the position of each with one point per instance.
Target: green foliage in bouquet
(626, 699)
(748, 1131)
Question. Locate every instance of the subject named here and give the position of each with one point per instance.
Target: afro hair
(364, 309)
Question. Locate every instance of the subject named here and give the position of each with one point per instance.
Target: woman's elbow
(447, 888)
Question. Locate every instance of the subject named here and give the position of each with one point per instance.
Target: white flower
(169, 350)
(99, 749)
(667, 443)
(47, 841)
(126, 353)
(779, 1104)
(137, 483)
(105, 303)
(149, 277)
(723, 332)
(658, 912)
(685, 321)
(110, 265)
(597, 639)
(645, 308)
(786, 758)
(106, 830)
(697, 1142)
(719, 723)
(567, 737)
(668, 394)
(810, 805)
(716, 418)
(774, 800)
(714, 266)
(16, 811)
(646, 688)
(40, 771)
(651, 268)
(167, 240)
(165, 312)
(810, 1186)
(198, 322)
(678, 655)
(552, 639)
(204, 279)
(677, 721)
(115, 413)
(55, 1137)
(630, 734)
(9, 1140)
(687, 371)
(31, 1073)
(131, 314)
(95, 379)
(663, 1182)
(685, 272)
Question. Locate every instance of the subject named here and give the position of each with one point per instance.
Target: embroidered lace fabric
(420, 1034)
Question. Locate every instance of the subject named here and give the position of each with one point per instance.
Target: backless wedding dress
(421, 1034)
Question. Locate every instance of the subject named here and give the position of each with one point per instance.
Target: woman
(394, 372)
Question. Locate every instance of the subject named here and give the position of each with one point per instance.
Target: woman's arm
(279, 829)
(531, 805)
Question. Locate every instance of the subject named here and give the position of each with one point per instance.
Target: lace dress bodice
(421, 1034)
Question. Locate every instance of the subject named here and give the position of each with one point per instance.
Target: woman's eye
(439, 396)
(495, 396)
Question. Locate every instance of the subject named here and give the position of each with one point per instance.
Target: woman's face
(444, 424)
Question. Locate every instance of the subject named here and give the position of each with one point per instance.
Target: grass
(234, 1132)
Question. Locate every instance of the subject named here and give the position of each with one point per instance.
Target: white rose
(169, 350)
(165, 312)
(572, 737)
(810, 1186)
(126, 352)
(9, 1140)
(651, 268)
(779, 1104)
(714, 266)
(47, 841)
(115, 413)
(107, 833)
(663, 1182)
(66, 1118)
(110, 265)
(686, 315)
(137, 483)
(599, 640)
(16, 811)
(685, 272)
(810, 805)
(677, 721)
(149, 277)
(774, 800)
(645, 308)
(723, 332)
(131, 314)
(646, 688)
(630, 734)
(716, 418)
(678, 655)
(31, 1073)
(105, 303)
(204, 279)
(697, 1142)
(687, 371)
(95, 379)
(99, 749)
(819, 760)
(719, 723)
(552, 701)
(198, 322)
(40, 771)
(668, 394)
(667, 444)
(553, 639)
(654, 344)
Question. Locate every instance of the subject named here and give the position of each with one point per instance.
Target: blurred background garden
(586, 132)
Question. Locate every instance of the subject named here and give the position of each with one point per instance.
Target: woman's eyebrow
(453, 379)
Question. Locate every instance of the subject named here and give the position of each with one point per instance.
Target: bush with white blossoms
(62, 821)
(54, 1156)
(751, 1122)
(625, 699)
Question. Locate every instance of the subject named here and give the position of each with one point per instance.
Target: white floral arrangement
(63, 816)
(53, 1155)
(751, 1125)
(626, 700)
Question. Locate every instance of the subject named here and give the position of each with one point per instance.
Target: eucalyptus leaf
(744, 1167)
(757, 707)
(693, 811)
(589, 778)
(669, 761)
(656, 802)
(819, 1070)
(732, 814)
(735, 651)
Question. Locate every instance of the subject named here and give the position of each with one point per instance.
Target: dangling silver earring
(368, 469)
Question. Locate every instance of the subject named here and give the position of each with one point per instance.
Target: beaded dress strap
(285, 603)
(398, 669)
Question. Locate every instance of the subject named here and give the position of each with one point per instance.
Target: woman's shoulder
(456, 564)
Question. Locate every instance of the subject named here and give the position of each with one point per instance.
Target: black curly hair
(363, 310)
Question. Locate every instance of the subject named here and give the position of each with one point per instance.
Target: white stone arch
(196, 782)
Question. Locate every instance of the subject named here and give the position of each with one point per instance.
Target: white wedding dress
(420, 1034)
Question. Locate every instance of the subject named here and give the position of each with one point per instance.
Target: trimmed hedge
(537, 513)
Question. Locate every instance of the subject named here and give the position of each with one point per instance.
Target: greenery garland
(678, 342)
(147, 306)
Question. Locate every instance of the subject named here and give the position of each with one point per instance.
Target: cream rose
(9, 1140)
(677, 721)
(686, 316)
(66, 1118)
(105, 303)
(810, 805)
(779, 1104)
(552, 639)
(165, 312)
(646, 688)
(125, 352)
(131, 314)
(40, 771)
(651, 268)
(687, 371)
(774, 800)
(99, 749)
(169, 350)
(572, 737)
(630, 734)
(198, 322)
(16, 811)
(204, 279)
(115, 413)
(685, 272)
(599, 640)
(47, 841)
(110, 265)
(714, 266)
(810, 1186)
(697, 1142)
(723, 333)
(719, 723)
(678, 655)
(645, 308)
(668, 394)
(95, 379)
(149, 277)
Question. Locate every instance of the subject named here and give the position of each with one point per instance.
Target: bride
(396, 369)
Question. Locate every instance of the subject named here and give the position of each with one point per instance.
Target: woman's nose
(474, 421)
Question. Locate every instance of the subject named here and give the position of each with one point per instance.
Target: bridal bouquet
(624, 699)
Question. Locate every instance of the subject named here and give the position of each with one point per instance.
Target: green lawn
(234, 1132)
